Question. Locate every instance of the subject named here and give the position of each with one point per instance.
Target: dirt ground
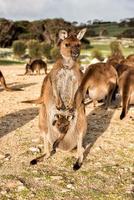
(106, 174)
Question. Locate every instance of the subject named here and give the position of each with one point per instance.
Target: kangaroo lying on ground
(126, 88)
(36, 65)
(100, 81)
(57, 98)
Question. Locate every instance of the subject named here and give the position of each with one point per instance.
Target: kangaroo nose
(75, 53)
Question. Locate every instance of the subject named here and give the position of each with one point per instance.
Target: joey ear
(81, 34)
(63, 34)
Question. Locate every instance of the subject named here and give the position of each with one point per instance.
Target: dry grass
(107, 173)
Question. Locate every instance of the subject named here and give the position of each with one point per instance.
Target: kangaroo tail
(36, 101)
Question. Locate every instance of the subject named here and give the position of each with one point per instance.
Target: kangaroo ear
(63, 34)
(81, 34)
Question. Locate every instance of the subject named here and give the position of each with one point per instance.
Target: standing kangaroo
(100, 81)
(57, 99)
(126, 88)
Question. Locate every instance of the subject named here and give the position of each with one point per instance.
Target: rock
(5, 156)
(70, 186)
(35, 149)
(20, 188)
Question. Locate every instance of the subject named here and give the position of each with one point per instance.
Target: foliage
(116, 50)
(34, 48)
(129, 33)
(97, 54)
(46, 50)
(19, 48)
(55, 53)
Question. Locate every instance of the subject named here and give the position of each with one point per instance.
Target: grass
(103, 45)
(113, 29)
(10, 62)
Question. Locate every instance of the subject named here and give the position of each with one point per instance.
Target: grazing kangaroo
(126, 88)
(100, 81)
(57, 99)
(36, 65)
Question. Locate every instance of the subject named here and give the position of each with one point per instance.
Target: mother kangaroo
(57, 99)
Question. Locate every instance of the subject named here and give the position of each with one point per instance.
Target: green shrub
(55, 53)
(97, 54)
(19, 48)
(116, 50)
(46, 50)
(34, 48)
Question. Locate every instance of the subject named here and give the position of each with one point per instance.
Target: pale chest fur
(67, 84)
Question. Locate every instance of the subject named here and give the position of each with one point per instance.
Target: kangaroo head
(62, 122)
(70, 45)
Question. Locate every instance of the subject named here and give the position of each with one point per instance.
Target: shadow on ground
(16, 120)
(98, 122)
(18, 87)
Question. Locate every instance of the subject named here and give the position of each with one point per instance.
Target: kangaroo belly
(97, 93)
(67, 84)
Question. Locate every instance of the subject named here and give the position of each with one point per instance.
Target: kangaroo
(126, 88)
(57, 98)
(3, 82)
(36, 65)
(130, 57)
(100, 81)
(4, 85)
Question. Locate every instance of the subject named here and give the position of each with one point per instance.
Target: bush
(34, 48)
(116, 50)
(97, 54)
(19, 48)
(46, 50)
(55, 53)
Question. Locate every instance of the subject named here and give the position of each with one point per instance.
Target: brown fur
(126, 87)
(130, 58)
(122, 67)
(57, 96)
(100, 81)
(36, 65)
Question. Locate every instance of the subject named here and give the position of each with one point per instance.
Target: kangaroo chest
(67, 84)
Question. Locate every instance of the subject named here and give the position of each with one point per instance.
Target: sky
(71, 10)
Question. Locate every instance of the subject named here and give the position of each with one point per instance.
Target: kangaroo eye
(67, 45)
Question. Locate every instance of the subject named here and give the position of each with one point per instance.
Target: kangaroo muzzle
(75, 53)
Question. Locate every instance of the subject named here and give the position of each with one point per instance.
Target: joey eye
(67, 45)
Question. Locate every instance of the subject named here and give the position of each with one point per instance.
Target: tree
(19, 48)
(45, 50)
(34, 48)
(116, 50)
